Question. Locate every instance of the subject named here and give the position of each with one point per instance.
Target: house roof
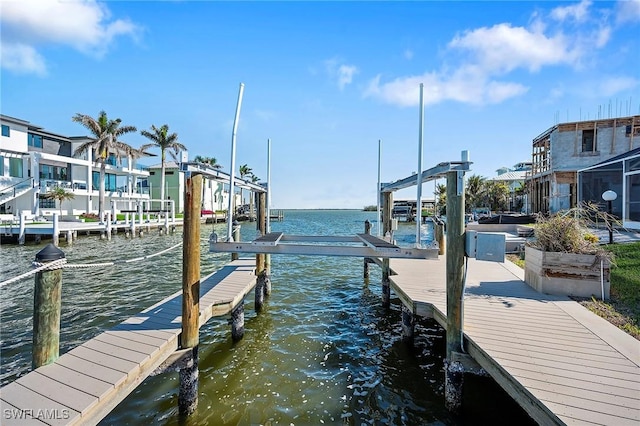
(633, 153)
(514, 175)
(167, 165)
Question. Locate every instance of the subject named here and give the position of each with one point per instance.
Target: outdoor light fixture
(609, 196)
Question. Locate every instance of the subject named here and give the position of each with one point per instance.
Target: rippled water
(323, 351)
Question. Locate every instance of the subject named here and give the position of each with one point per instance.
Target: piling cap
(49, 254)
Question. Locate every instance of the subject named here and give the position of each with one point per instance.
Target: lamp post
(609, 196)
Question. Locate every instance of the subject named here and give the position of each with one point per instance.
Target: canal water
(323, 351)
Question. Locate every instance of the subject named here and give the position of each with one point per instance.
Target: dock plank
(35, 406)
(559, 361)
(87, 384)
(91, 379)
(59, 392)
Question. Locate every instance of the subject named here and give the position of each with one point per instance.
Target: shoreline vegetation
(623, 307)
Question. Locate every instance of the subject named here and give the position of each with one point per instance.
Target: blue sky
(325, 80)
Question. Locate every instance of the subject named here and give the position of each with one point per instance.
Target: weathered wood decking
(560, 362)
(87, 382)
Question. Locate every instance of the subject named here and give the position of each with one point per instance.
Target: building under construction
(565, 148)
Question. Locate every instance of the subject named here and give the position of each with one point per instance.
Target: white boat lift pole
(233, 166)
(419, 177)
(379, 230)
(268, 227)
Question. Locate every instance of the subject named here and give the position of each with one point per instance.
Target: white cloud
(483, 58)
(341, 72)
(613, 85)
(628, 11)
(21, 58)
(503, 48)
(466, 85)
(83, 25)
(345, 75)
(578, 12)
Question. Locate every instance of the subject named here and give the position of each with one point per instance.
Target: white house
(514, 178)
(34, 160)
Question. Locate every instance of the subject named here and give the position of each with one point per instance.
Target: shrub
(568, 231)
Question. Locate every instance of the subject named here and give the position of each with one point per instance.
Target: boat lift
(361, 245)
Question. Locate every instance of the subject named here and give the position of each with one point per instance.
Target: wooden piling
(387, 209)
(455, 276)
(237, 322)
(260, 290)
(188, 396)
(47, 302)
(408, 325)
(367, 230)
(263, 283)
(440, 234)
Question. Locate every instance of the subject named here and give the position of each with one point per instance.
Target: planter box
(566, 273)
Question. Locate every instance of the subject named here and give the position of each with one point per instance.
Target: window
(46, 172)
(34, 140)
(1, 166)
(5, 130)
(53, 172)
(109, 181)
(15, 167)
(588, 143)
(46, 203)
(111, 160)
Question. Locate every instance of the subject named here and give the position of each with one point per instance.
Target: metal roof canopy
(430, 174)
(215, 174)
(278, 243)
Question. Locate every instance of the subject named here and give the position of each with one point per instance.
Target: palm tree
(60, 194)
(497, 194)
(161, 138)
(245, 170)
(475, 191)
(104, 143)
(210, 161)
(441, 198)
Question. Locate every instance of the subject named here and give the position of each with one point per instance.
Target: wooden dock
(560, 362)
(87, 382)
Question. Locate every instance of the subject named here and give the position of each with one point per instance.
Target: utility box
(486, 245)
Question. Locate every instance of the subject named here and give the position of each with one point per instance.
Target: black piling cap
(49, 254)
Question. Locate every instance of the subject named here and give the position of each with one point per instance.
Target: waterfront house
(562, 150)
(215, 192)
(34, 160)
(515, 178)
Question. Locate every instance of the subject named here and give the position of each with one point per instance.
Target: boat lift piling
(189, 339)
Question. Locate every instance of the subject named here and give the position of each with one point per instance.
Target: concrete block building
(562, 150)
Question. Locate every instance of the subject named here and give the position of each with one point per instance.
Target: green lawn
(625, 284)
